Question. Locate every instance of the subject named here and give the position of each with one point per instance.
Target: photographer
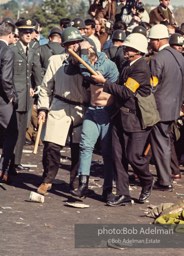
(133, 11)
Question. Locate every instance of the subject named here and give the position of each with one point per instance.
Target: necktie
(27, 50)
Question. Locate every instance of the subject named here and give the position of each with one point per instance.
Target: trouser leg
(10, 138)
(161, 149)
(119, 158)
(22, 126)
(106, 148)
(74, 164)
(136, 145)
(51, 161)
(89, 136)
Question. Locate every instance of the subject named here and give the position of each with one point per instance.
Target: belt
(71, 101)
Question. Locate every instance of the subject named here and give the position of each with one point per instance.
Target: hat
(25, 24)
(55, 30)
(9, 21)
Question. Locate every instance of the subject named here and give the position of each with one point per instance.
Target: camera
(138, 5)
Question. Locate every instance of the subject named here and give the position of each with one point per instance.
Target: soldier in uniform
(26, 64)
(62, 103)
(167, 68)
(129, 139)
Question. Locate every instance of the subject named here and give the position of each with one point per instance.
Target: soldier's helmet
(176, 39)
(78, 23)
(140, 29)
(118, 35)
(70, 35)
(9, 21)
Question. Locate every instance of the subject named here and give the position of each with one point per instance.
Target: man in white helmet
(167, 68)
(129, 139)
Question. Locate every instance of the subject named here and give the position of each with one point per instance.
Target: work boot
(43, 188)
(83, 186)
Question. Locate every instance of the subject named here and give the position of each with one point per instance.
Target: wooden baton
(38, 137)
(75, 55)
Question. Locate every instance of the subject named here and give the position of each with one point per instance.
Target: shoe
(12, 171)
(120, 200)
(107, 195)
(20, 167)
(176, 176)
(43, 188)
(145, 193)
(83, 187)
(160, 187)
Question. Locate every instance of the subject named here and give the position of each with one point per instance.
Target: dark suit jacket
(7, 90)
(24, 67)
(170, 87)
(139, 73)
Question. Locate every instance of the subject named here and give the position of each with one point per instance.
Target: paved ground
(30, 228)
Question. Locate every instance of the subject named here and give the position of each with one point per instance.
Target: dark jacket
(170, 85)
(136, 76)
(7, 89)
(46, 51)
(157, 15)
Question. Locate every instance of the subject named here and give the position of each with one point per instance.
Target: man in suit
(167, 68)
(26, 64)
(129, 139)
(8, 99)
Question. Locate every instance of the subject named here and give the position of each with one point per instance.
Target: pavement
(48, 229)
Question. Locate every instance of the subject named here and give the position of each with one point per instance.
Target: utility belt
(71, 102)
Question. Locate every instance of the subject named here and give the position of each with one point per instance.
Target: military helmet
(140, 29)
(137, 41)
(71, 34)
(78, 23)
(118, 35)
(176, 39)
(9, 21)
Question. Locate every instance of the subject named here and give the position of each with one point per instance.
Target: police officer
(167, 68)
(176, 41)
(115, 52)
(129, 139)
(53, 47)
(62, 86)
(26, 64)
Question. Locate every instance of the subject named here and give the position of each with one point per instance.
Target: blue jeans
(96, 124)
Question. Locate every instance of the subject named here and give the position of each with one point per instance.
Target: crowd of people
(124, 91)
